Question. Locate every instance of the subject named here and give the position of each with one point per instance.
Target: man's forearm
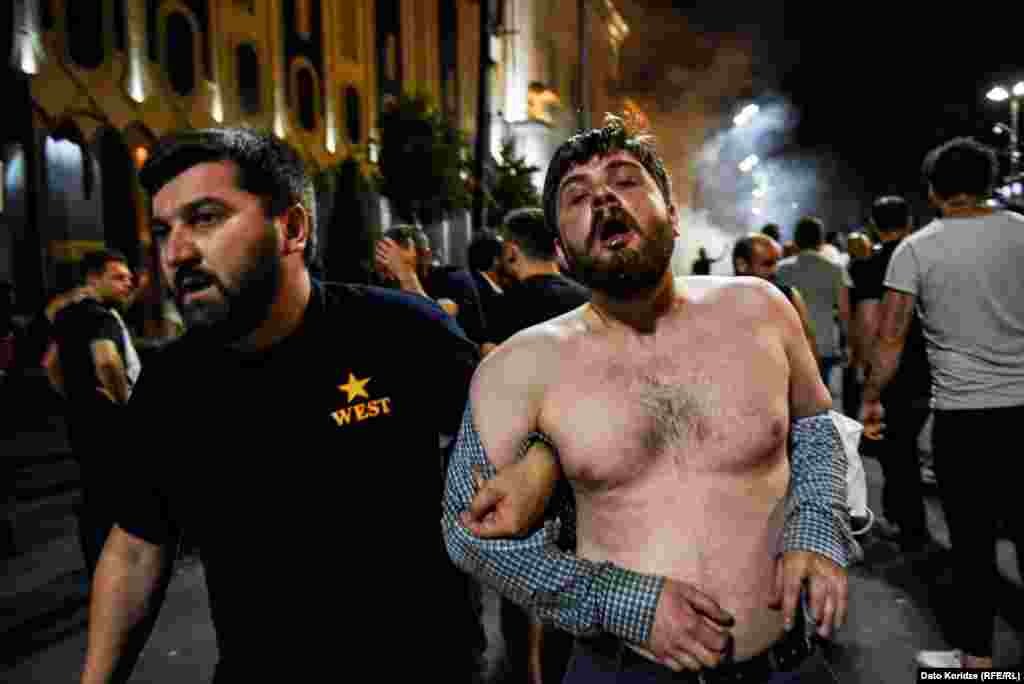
(114, 381)
(817, 518)
(579, 596)
(883, 367)
(122, 597)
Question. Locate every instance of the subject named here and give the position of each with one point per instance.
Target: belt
(786, 654)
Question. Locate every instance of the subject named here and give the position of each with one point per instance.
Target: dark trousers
(93, 433)
(978, 485)
(596, 662)
(902, 491)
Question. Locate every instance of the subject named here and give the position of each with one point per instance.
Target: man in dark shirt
(266, 428)
(906, 399)
(539, 291)
(484, 258)
(94, 368)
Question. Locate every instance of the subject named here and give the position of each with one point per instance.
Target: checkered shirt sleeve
(817, 517)
(579, 596)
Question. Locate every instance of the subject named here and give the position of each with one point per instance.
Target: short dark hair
(408, 235)
(484, 249)
(961, 166)
(526, 227)
(773, 231)
(616, 135)
(890, 213)
(95, 262)
(267, 167)
(809, 233)
(744, 247)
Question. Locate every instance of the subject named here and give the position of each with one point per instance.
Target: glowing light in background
(1018, 89)
(748, 164)
(746, 115)
(759, 192)
(998, 94)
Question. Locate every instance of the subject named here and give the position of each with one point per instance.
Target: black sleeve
(457, 358)
(101, 325)
(144, 508)
(867, 279)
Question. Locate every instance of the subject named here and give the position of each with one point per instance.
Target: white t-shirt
(966, 275)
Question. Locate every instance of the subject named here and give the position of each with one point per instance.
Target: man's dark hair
(483, 251)
(890, 213)
(773, 231)
(616, 135)
(961, 166)
(809, 233)
(268, 167)
(527, 228)
(95, 262)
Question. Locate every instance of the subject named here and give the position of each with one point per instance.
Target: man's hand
(871, 414)
(514, 501)
(827, 587)
(691, 631)
(394, 261)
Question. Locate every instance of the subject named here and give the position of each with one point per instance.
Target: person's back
(972, 299)
(819, 281)
(75, 327)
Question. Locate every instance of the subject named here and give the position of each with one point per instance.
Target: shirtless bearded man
(687, 416)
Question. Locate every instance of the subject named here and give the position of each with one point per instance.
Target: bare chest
(710, 402)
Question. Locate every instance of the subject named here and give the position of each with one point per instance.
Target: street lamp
(1001, 94)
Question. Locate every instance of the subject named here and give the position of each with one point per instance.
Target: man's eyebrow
(190, 207)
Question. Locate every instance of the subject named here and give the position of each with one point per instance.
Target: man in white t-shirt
(961, 273)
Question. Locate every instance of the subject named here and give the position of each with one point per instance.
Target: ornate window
(84, 22)
(305, 94)
(353, 115)
(248, 78)
(179, 53)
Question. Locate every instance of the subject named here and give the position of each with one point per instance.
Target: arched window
(179, 54)
(306, 96)
(248, 78)
(84, 22)
(353, 116)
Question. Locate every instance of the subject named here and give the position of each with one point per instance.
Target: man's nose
(180, 247)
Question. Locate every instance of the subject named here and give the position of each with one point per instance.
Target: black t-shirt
(537, 299)
(913, 379)
(457, 284)
(75, 328)
(309, 478)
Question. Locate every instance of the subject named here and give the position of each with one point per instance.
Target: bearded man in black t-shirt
(94, 367)
(290, 421)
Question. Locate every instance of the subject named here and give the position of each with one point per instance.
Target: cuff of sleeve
(630, 601)
(821, 531)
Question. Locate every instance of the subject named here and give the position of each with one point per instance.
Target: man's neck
(893, 236)
(638, 313)
(286, 313)
(537, 268)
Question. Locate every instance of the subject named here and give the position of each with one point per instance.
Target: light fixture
(748, 164)
(998, 94)
(1018, 89)
(745, 116)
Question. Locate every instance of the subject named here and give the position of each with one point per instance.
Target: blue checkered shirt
(584, 597)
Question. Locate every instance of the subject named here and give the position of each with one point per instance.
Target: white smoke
(696, 231)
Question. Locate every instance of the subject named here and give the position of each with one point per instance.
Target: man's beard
(242, 308)
(626, 272)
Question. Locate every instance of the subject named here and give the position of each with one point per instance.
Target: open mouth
(192, 284)
(615, 233)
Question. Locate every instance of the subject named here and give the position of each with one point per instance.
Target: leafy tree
(513, 186)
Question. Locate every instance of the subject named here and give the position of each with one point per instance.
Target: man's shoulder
(352, 299)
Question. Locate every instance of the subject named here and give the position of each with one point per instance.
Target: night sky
(875, 86)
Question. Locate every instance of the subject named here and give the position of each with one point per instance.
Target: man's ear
(296, 228)
(673, 217)
(741, 266)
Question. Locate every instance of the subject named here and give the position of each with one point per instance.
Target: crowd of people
(646, 468)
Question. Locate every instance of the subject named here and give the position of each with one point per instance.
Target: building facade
(93, 84)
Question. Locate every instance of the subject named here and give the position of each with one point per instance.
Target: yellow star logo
(355, 388)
